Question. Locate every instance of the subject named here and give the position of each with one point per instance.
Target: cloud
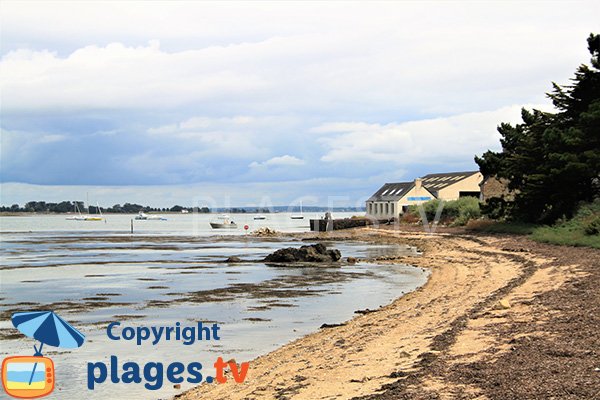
(429, 141)
(116, 75)
(237, 93)
(285, 160)
(373, 64)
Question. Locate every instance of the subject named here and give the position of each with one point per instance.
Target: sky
(254, 103)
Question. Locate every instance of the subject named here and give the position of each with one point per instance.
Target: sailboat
(86, 217)
(301, 216)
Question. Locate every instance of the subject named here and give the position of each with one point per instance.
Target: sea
(173, 273)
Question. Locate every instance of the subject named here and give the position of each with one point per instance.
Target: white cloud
(240, 137)
(344, 60)
(216, 89)
(430, 141)
(117, 76)
(202, 123)
(285, 160)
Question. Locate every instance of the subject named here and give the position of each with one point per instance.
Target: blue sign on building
(425, 198)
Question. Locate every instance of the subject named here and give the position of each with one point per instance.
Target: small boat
(146, 217)
(223, 222)
(301, 216)
(85, 217)
(259, 217)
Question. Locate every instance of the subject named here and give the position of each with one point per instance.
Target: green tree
(552, 160)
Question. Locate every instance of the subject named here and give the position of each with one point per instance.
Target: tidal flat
(94, 278)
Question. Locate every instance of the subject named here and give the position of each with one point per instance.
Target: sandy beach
(501, 317)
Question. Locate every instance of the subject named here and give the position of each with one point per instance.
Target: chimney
(418, 182)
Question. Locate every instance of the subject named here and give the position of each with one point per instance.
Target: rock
(398, 374)
(265, 231)
(503, 305)
(233, 259)
(328, 326)
(351, 260)
(177, 386)
(314, 253)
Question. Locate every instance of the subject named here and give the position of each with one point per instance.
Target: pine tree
(552, 160)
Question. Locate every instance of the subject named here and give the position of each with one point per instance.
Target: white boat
(147, 217)
(300, 216)
(223, 222)
(86, 217)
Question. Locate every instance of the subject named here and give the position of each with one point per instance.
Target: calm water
(172, 271)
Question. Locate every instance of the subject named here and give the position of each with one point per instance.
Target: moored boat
(300, 216)
(86, 217)
(148, 217)
(223, 222)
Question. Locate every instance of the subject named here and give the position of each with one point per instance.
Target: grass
(565, 237)
(582, 230)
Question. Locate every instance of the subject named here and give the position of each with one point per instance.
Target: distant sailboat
(301, 216)
(86, 217)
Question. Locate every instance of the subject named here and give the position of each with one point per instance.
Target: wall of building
(384, 209)
(470, 184)
(381, 209)
(417, 195)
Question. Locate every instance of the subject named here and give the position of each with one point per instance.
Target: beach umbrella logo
(29, 377)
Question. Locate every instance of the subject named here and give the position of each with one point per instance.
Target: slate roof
(432, 182)
(392, 191)
(436, 182)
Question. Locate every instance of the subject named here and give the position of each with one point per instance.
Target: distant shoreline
(306, 211)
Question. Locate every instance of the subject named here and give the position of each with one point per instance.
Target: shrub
(410, 218)
(456, 212)
(592, 227)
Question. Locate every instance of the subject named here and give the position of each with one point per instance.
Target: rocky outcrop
(265, 231)
(313, 253)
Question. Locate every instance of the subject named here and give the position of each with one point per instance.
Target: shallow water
(167, 274)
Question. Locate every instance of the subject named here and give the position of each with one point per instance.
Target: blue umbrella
(48, 328)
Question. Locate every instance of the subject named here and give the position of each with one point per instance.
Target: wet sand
(495, 320)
